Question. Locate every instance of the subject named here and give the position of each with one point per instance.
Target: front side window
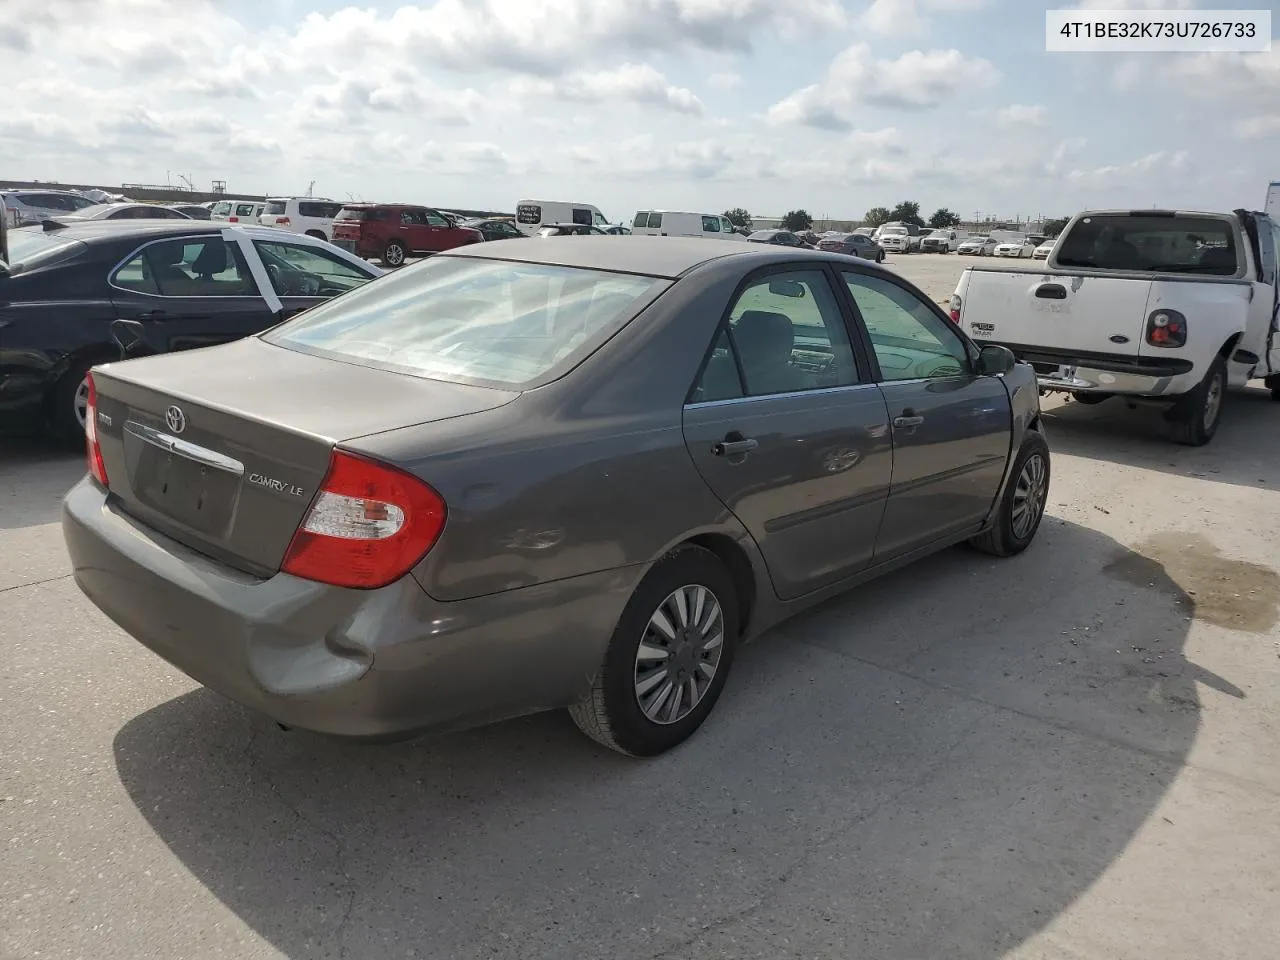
(304, 271)
(711, 224)
(469, 320)
(789, 335)
(911, 342)
(190, 267)
(655, 221)
(433, 219)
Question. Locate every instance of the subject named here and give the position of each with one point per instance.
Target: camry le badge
(175, 419)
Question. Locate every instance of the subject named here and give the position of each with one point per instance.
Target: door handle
(152, 315)
(734, 445)
(909, 418)
(1051, 291)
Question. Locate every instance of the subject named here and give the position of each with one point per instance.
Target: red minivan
(395, 231)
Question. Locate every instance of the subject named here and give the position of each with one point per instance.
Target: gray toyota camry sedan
(526, 476)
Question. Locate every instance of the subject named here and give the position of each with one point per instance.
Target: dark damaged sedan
(527, 476)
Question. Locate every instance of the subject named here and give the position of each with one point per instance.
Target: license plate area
(191, 485)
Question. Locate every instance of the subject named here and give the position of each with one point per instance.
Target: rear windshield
(347, 213)
(31, 247)
(276, 207)
(469, 320)
(1157, 244)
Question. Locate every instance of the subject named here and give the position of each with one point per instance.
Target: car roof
(668, 257)
(104, 231)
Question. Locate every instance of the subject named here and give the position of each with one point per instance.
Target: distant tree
(876, 216)
(797, 220)
(739, 218)
(942, 217)
(908, 211)
(1054, 227)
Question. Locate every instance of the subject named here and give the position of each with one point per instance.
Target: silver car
(23, 207)
(524, 476)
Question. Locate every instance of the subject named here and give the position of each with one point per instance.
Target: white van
(532, 215)
(676, 223)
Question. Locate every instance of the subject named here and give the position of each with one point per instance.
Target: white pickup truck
(1159, 306)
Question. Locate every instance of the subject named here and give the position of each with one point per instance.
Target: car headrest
(764, 334)
(212, 259)
(1222, 259)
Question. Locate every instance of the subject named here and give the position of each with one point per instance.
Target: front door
(303, 275)
(442, 233)
(789, 435)
(190, 292)
(950, 427)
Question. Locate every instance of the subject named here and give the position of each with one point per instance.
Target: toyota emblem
(175, 419)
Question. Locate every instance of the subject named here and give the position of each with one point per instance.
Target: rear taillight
(368, 526)
(283, 221)
(1166, 328)
(954, 308)
(93, 450)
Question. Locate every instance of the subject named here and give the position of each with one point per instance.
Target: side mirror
(994, 360)
(787, 288)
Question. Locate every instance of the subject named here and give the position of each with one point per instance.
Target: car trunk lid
(223, 449)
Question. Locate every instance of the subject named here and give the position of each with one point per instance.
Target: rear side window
(244, 209)
(529, 213)
(1195, 245)
(472, 321)
(276, 208)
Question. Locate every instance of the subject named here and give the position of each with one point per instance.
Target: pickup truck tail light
(1166, 328)
(954, 308)
(368, 526)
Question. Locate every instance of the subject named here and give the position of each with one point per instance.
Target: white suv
(33, 206)
(312, 216)
(236, 211)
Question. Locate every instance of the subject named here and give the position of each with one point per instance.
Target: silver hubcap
(1212, 402)
(395, 255)
(679, 654)
(1028, 496)
(81, 402)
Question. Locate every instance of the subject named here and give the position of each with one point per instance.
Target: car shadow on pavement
(1139, 438)
(35, 474)
(936, 764)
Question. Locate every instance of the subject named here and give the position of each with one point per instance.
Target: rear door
(951, 429)
(788, 431)
(189, 292)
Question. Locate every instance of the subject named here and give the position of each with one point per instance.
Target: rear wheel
(668, 659)
(1021, 509)
(394, 254)
(1196, 415)
(69, 403)
(1273, 384)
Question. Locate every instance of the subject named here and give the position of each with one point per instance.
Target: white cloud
(889, 18)
(638, 83)
(1133, 5)
(1022, 114)
(1124, 173)
(886, 140)
(725, 80)
(917, 80)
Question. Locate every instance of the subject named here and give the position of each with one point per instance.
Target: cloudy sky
(833, 105)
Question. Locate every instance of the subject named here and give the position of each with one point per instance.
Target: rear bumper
(1107, 373)
(356, 663)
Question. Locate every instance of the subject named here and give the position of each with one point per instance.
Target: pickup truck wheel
(394, 254)
(1196, 415)
(1273, 384)
(1089, 399)
(1021, 509)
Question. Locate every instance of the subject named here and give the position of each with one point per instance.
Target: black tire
(1089, 399)
(880, 257)
(611, 713)
(64, 423)
(394, 254)
(1195, 417)
(1007, 537)
(1273, 384)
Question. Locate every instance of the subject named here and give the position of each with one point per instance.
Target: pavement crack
(36, 583)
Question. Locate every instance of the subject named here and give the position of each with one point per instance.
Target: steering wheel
(275, 276)
(943, 367)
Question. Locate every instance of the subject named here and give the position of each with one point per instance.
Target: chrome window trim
(223, 233)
